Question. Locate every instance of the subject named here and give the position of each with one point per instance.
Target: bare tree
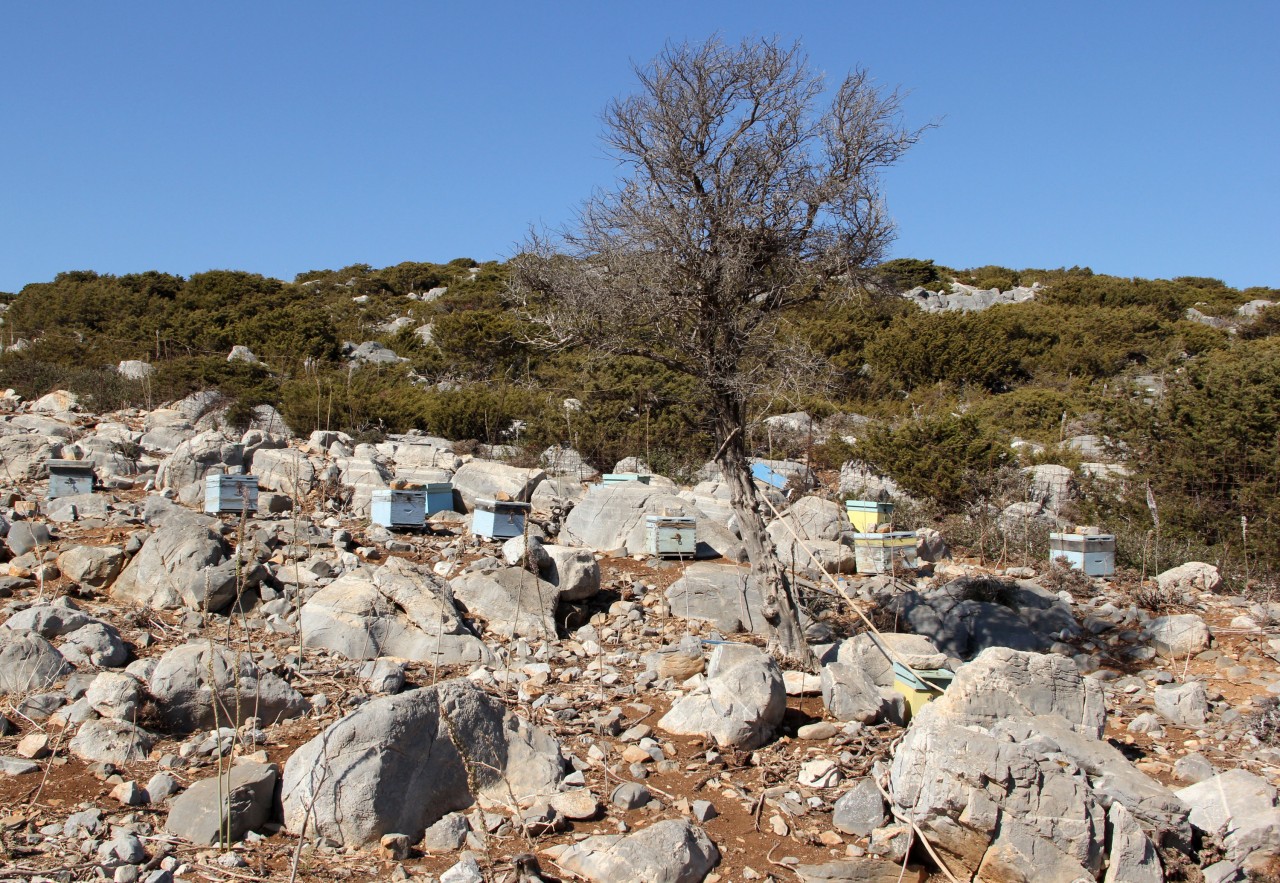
(745, 193)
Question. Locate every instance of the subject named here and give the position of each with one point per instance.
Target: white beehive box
(669, 536)
(1091, 554)
(398, 508)
(230, 493)
(885, 552)
(499, 519)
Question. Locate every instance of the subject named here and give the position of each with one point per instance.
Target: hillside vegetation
(1176, 385)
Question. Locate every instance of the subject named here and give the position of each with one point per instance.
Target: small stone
(33, 746)
(578, 805)
(448, 834)
(394, 847)
(128, 794)
(817, 731)
(1193, 768)
(704, 810)
(831, 838)
(160, 787)
(630, 795)
(821, 773)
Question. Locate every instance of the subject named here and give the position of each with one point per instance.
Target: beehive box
(921, 690)
(885, 552)
(69, 478)
(668, 536)
(864, 515)
(230, 493)
(439, 496)
(398, 508)
(624, 478)
(1091, 554)
(499, 519)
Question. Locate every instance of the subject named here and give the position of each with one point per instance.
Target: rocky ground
(301, 693)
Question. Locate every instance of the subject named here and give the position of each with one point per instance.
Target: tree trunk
(780, 608)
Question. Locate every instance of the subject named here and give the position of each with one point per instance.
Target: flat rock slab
(233, 804)
(673, 851)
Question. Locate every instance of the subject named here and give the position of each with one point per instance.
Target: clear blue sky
(1134, 138)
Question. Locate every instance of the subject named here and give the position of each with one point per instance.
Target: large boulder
(513, 601)
(1051, 485)
(1113, 778)
(92, 566)
(849, 694)
(111, 741)
(1177, 636)
(27, 456)
(872, 654)
(393, 610)
(229, 805)
(363, 473)
(1193, 577)
(285, 470)
(184, 470)
(397, 764)
(997, 808)
(487, 480)
(671, 851)
(741, 703)
(28, 662)
(86, 640)
(972, 613)
(726, 595)
(566, 462)
(574, 572)
(1238, 807)
(185, 563)
(204, 685)
(611, 518)
(809, 534)
(1002, 683)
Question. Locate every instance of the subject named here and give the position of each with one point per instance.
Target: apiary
(230, 493)
(624, 478)
(864, 515)
(885, 552)
(499, 519)
(398, 508)
(920, 688)
(69, 478)
(1091, 554)
(668, 536)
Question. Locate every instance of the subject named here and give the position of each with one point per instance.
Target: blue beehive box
(761, 472)
(398, 508)
(624, 478)
(1091, 554)
(439, 496)
(230, 493)
(670, 537)
(69, 478)
(499, 519)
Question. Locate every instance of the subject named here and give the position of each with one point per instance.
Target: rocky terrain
(299, 693)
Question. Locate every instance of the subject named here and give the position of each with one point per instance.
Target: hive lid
(82, 465)
(494, 505)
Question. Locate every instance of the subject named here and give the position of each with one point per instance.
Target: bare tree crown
(745, 191)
